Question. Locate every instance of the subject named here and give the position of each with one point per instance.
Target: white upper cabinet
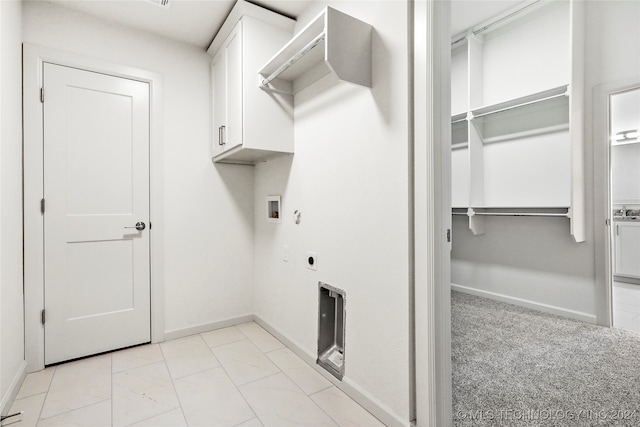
(249, 125)
(516, 100)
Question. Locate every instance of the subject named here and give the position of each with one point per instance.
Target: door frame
(602, 195)
(33, 163)
(430, 165)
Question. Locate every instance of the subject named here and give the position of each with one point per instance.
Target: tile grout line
(313, 401)
(76, 409)
(112, 400)
(201, 371)
(245, 398)
(220, 345)
(281, 371)
(249, 338)
(306, 365)
(46, 394)
(173, 385)
(330, 385)
(142, 365)
(157, 415)
(64, 412)
(232, 382)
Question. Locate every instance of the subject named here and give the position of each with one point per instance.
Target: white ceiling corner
(190, 21)
(197, 21)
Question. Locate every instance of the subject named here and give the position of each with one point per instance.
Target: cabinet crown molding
(242, 8)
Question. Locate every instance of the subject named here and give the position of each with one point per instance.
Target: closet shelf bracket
(530, 212)
(295, 58)
(333, 42)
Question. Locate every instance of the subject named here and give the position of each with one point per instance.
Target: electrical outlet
(312, 260)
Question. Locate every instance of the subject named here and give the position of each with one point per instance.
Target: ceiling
(197, 21)
(189, 21)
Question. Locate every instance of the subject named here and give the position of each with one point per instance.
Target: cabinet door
(226, 69)
(627, 250)
(233, 54)
(219, 79)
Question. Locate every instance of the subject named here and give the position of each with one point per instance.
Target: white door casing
(96, 183)
(602, 207)
(34, 56)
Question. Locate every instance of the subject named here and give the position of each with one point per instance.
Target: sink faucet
(620, 212)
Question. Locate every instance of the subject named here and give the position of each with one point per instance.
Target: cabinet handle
(617, 232)
(221, 135)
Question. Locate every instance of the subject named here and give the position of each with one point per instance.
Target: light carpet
(514, 366)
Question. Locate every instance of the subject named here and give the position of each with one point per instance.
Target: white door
(96, 186)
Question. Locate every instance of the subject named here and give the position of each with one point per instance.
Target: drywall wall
(11, 295)
(625, 157)
(625, 175)
(532, 261)
(527, 261)
(208, 223)
(349, 180)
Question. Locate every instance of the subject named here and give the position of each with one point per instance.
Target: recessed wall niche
(331, 329)
(274, 214)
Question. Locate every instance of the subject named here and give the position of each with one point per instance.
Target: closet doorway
(624, 207)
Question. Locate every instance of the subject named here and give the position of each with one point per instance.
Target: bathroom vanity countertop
(626, 218)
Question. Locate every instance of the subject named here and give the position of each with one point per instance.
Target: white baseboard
(206, 327)
(14, 388)
(559, 311)
(353, 390)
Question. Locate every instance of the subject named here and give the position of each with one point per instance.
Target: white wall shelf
(521, 102)
(333, 42)
(535, 114)
(517, 131)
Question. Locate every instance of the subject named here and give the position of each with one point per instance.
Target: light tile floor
(237, 376)
(626, 306)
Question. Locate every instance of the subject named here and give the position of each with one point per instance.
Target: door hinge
(448, 235)
(42, 317)
(41, 94)
(42, 206)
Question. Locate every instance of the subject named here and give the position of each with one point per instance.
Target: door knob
(139, 226)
